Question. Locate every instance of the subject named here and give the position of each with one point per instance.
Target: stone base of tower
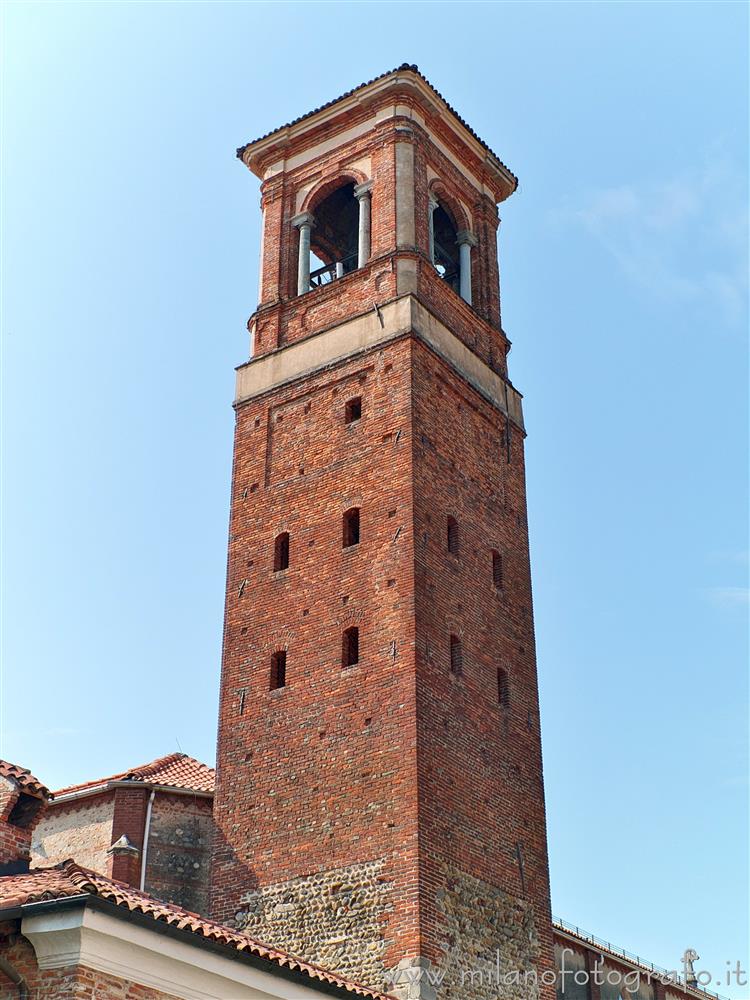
(335, 919)
(489, 943)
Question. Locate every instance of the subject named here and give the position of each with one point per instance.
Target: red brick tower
(379, 803)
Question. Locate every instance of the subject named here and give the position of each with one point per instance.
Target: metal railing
(657, 970)
(329, 272)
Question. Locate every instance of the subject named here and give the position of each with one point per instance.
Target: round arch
(324, 188)
(449, 204)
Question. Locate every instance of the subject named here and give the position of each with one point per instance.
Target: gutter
(15, 977)
(146, 831)
(123, 783)
(288, 972)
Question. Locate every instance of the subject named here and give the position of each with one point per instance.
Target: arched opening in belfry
(334, 237)
(445, 252)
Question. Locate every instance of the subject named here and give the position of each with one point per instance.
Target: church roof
(176, 770)
(24, 779)
(403, 68)
(68, 880)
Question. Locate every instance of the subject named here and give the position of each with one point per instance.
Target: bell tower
(380, 802)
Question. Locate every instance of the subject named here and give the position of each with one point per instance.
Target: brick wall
(321, 774)
(20, 814)
(493, 825)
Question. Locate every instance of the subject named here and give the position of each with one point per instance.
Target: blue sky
(130, 241)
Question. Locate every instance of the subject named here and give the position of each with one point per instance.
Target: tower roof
(407, 74)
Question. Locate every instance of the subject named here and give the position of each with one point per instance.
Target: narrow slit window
(278, 670)
(281, 552)
(503, 687)
(353, 410)
(497, 569)
(457, 659)
(351, 528)
(452, 536)
(350, 647)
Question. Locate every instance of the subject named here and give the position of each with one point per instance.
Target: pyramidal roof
(404, 68)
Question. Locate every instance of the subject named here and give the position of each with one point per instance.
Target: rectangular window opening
(278, 670)
(353, 410)
(457, 660)
(497, 569)
(350, 647)
(281, 552)
(351, 528)
(452, 536)
(503, 687)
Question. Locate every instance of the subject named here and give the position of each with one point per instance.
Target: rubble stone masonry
(82, 831)
(179, 850)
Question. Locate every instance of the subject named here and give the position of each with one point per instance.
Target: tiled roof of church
(69, 879)
(176, 770)
(24, 778)
(404, 67)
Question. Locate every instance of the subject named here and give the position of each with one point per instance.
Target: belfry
(380, 804)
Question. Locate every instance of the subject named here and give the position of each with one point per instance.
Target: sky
(130, 245)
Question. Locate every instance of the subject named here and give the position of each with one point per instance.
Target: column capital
(363, 189)
(466, 236)
(303, 219)
(433, 202)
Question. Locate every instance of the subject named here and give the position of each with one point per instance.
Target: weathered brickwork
(73, 982)
(412, 760)
(179, 851)
(318, 774)
(14, 841)
(335, 918)
(283, 317)
(82, 831)
(468, 465)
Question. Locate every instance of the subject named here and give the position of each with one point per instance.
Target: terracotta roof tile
(404, 67)
(69, 879)
(24, 778)
(176, 770)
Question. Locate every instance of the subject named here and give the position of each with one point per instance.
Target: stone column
(466, 240)
(362, 194)
(433, 204)
(304, 222)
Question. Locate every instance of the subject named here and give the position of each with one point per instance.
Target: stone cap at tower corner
(405, 83)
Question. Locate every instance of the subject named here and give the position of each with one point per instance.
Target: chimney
(23, 799)
(125, 865)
